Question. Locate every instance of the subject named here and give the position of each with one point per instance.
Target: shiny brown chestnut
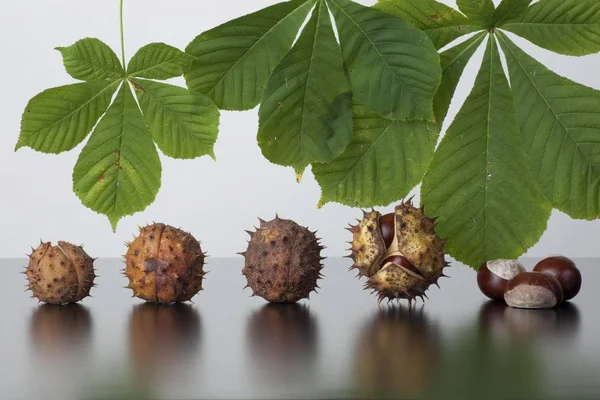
(493, 276)
(533, 290)
(402, 261)
(563, 269)
(387, 225)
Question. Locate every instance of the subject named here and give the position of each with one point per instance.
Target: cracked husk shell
(164, 265)
(400, 254)
(60, 274)
(283, 261)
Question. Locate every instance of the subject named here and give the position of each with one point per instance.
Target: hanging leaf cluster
(359, 94)
(118, 171)
(515, 150)
(306, 87)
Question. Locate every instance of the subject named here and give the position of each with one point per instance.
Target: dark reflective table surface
(340, 344)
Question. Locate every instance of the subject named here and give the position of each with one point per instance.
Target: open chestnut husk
(565, 271)
(493, 277)
(533, 290)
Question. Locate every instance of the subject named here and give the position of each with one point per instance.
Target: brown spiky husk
(60, 274)
(283, 261)
(415, 239)
(164, 265)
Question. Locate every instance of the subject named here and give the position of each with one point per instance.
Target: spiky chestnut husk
(283, 261)
(60, 274)
(400, 253)
(164, 265)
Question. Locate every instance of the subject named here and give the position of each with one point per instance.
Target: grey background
(214, 200)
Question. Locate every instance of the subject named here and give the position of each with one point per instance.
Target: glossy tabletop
(339, 344)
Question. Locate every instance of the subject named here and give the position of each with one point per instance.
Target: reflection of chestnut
(493, 276)
(497, 318)
(491, 316)
(162, 334)
(56, 328)
(568, 318)
(530, 322)
(533, 290)
(397, 354)
(565, 271)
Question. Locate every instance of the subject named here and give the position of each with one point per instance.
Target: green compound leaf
(560, 126)
(306, 112)
(384, 161)
(479, 184)
(58, 119)
(441, 23)
(454, 61)
(478, 11)
(234, 60)
(570, 27)
(184, 124)
(91, 60)
(118, 172)
(510, 10)
(159, 61)
(394, 68)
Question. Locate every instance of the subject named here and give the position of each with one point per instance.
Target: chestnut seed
(402, 261)
(563, 269)
(386, 224)
(533, 290)
(493, 276)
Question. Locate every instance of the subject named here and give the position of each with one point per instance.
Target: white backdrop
(214, 200)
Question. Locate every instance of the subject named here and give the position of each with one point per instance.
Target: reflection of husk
(397, 353)
(283, 338)
(60, 329)
(161, 335)
(497, 357)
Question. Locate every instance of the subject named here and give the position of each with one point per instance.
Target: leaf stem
(122, 38)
